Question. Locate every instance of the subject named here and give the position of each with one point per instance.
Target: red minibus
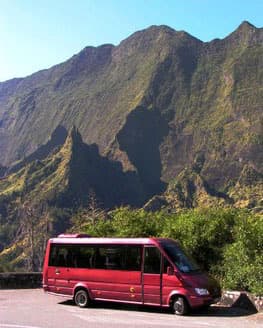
(149, 271)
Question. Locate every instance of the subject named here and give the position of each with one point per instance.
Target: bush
(136, 223)
(203, 233)
(242, 266)
(124, 222)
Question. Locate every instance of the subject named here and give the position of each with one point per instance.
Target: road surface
(32, 308)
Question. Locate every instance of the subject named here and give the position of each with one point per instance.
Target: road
(32, 308)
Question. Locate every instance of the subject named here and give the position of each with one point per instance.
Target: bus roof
(119, 241)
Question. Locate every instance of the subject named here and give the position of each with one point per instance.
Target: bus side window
(132, 259)
(70, 258)
(99, 258)
(61, 260)
(152, 259)
(58, 256)
(53, 255)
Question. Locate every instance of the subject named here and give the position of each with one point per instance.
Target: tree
(35, 227)
(88, 215)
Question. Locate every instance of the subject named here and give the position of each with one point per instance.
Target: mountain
(154, 103)
(158, 103)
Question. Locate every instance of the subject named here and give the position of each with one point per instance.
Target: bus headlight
(201, 291)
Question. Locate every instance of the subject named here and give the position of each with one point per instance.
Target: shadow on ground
(223, 311)
(212, 311)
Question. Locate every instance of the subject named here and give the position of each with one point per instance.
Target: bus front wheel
(81, 298)
(180, 306)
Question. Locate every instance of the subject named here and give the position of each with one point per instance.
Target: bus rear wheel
(81, 298)
(180, 306)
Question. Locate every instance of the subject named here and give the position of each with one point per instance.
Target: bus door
(151, 276)
(58, 270)
(120, 276)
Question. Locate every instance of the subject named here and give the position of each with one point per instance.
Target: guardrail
(11, 280)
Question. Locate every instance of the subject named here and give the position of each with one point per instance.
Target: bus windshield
(178, 257)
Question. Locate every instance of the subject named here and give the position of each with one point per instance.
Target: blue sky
(38, 34)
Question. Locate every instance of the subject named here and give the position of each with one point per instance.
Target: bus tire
(81, 298)
(180, 305)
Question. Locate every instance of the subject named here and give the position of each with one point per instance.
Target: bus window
(132, 258)
(82, 256)
(58, 256)
(152, 261)
(119, 258)
(71, 256)
(111, 257)
(98, 260)
(179, 258)
(166, 264)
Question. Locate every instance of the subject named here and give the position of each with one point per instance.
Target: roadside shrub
(242, 265)
(203, 233)
(102, 228)
(124, 222)
(136, 223)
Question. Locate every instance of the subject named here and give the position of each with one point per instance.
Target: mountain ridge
(243, 26)
(154, 103)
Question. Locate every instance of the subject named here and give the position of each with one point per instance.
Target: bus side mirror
(170, 271)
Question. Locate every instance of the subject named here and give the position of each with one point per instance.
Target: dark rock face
(140, 139)
(88, 170)
(57, 139)
(2, 171)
